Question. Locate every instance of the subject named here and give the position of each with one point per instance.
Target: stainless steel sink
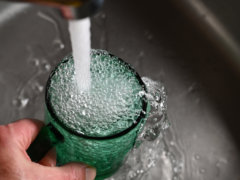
(161, 43)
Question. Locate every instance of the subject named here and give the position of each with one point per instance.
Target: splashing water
(81, 46)
(150, 147)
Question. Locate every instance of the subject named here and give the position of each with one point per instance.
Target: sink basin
(161, 43)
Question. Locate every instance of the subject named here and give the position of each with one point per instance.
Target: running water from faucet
(81, 46)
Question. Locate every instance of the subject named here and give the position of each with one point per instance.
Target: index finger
(24, 131)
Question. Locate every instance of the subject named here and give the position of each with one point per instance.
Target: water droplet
(20, 102)
(158, 98)
(44, 65)
(58, 45)
(47, 67)
(141, 93)
(34, 61)
(37, 87)
(83, 112)
(172, 143)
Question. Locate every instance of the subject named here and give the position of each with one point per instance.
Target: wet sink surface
(203, 90)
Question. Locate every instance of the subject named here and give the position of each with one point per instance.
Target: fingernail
(90, 173)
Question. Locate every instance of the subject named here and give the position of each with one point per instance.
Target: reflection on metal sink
(160, 42)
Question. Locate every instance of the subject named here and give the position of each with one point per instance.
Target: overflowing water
(150, 147)
(81, 46)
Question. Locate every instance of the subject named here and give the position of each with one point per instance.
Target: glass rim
(125, 131)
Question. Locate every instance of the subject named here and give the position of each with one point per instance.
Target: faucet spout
(70, 9)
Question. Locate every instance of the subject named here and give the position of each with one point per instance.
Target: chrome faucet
(70, 9)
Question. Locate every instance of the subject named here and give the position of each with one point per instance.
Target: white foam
(111, 105)
(81, 47)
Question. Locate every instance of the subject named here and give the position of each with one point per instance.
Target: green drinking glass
(97, 127)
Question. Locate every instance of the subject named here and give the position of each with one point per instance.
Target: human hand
(15, 164)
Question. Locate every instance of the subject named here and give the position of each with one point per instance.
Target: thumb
(71, 171)
(77, 171)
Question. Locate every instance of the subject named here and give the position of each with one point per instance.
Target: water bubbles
(156, 95)
(110, 106)
(158, 99)
(132, 174)
(172, 143)
(35, 62)
(30, 93)
(41, 64)
(37, 87)
(177, 169)
(58, 45)
(140, 171)
(45, 65)
(83, 112)
(20, 102)
(151, 160)
(24, 102)
(157, 120)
